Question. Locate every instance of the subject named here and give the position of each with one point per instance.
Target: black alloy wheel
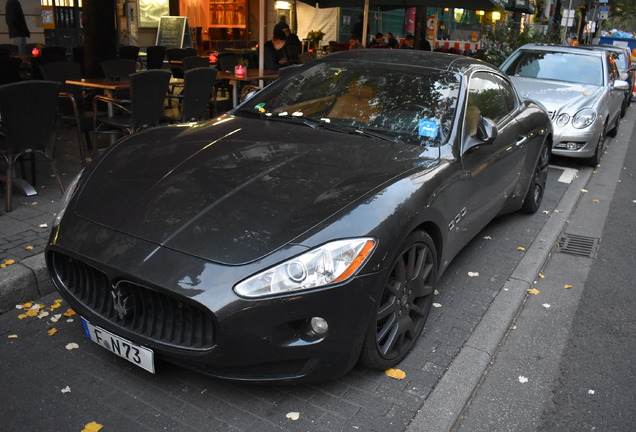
(404, 303)
(534, 196)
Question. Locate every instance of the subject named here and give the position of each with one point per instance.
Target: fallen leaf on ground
(69, 312)
(22, 316)
(591, 392)
(487, 238)
(44, 225)
(13, 336)
(32, 312)
(534, 291)
(92, 427)
(437, 305)
(523, 379)
(52, 331)
(546, 212)
(473, 274)
(521, 248)
(72, 346)
(55, 318)
(293, 415)
(596, 201)
(29, 247)
(567, 286)
(395, 373)
(584, 190)
(541, 275)
(43, 314)
(546, 305)
(66, 389)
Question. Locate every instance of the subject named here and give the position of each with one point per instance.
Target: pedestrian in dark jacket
(18, 30)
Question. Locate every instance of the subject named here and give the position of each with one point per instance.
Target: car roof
(414, 58)
(577, 49)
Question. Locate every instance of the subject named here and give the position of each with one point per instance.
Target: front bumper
(184, 309)
(576, 143)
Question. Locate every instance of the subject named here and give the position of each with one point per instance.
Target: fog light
(573, 146)
(319, 325)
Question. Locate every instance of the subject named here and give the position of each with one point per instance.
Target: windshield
(411, 105)
(569, 67)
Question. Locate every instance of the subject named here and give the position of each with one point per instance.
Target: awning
(485, 5)
(522, 6)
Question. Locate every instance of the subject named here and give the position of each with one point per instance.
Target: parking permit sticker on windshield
(428, 128)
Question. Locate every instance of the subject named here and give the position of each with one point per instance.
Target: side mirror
(620, 85)
(486, 130)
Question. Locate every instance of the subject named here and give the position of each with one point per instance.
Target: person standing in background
(18, 30)
(282, 24)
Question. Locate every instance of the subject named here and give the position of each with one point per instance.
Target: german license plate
(138, 355)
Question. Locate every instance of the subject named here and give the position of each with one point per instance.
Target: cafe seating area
(140, 88)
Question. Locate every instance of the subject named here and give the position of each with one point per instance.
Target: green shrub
(501, 40)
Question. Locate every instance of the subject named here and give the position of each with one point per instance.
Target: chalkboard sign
(174, 32)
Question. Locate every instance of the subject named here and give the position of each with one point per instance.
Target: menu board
(174, 32)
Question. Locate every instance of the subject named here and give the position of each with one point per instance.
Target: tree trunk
(100, 34)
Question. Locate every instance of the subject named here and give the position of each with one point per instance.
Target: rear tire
(403, 305)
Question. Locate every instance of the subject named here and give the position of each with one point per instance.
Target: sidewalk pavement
(24, 232)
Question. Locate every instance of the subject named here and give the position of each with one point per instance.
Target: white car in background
(580, 87)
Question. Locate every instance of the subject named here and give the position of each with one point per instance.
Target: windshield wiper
(352, 130)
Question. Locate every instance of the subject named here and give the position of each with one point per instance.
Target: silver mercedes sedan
(580, 88)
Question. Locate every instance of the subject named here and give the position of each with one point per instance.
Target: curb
(24, 281)
(444, 405)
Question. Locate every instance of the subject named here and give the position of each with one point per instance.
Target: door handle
(522, 140)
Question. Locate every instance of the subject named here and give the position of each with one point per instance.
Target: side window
(488, 96)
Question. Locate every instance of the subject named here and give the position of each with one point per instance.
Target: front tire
(534, 196)
(598, 152)
(403, 305)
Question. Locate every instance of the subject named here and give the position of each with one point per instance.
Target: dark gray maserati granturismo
(303, 231)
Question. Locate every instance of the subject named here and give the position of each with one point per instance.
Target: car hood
(234, 191)
(557, 96)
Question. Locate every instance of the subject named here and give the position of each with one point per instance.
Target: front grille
(149, 313)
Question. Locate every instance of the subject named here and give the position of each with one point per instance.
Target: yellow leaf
(92, 427)
(55, 306)
(27, 305)
(3, 265)
(534, 291)
(69, 312)
(9, 262)
(52, 331)
(32, 312)
(567, 286)
(13, 336)
(521, 248)
(29, 247)
(22, 316)
(395, 373)
(541, 275)
(596, 201)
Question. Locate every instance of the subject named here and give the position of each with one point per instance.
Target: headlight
(584, 118)
(68, 194)
(562, 120)
(328, 264)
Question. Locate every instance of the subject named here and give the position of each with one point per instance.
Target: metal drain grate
(578, 245)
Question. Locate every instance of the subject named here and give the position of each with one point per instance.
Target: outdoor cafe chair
(198, 94)
(71, 100)
(148, 91)
(192, 62)
(27, 110)
(155, 56)
(118, 68)
(239, 44)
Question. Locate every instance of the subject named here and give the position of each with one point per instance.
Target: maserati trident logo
(122, 301)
